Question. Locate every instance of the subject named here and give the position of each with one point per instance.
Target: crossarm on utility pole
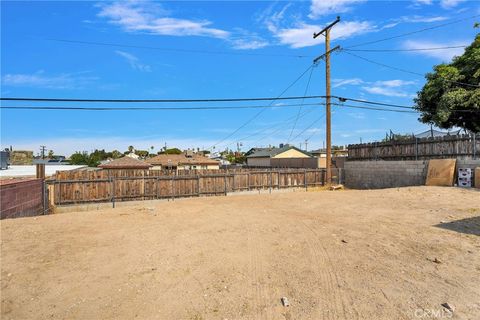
(325, 54)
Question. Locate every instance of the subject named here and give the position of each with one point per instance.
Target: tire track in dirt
(256, 270)
(338, 302)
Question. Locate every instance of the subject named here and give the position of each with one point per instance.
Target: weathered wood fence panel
(102, 186)
(462, 146)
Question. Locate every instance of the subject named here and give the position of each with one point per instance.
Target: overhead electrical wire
(408, 71)
(300, 109)
(311, 125)
(109, 44)
(372, 108)
(155, 100)
(151, 108)
(405, 50)
(262, 110)
(277, 125)
(281, 127)
(413, 32)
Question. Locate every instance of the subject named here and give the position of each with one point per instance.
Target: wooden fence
(102, 186)
(463, 146)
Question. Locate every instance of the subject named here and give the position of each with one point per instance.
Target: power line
(408, 71)
(372, 108)
(342, 99)
(261, 111)
(109, 44)
(300, 109)
(151, 108)
(156, 100)
(280, 126)
(311, 125)
(413, 32)
(405, 50)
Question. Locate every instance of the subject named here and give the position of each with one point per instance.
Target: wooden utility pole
(326, 55)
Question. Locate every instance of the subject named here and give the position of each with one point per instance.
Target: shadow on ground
(467, 225)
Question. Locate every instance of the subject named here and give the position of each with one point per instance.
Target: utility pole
(306, 144)
(42, 151)
(326, 55)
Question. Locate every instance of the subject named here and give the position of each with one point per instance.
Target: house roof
(125, 163)
(180, 159)
(272, 152)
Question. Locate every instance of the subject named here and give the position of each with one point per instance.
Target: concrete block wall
(385, 174)
(20, 198)
(391, 174)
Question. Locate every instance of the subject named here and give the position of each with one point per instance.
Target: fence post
(112, 180)
(234, 175)
(44, 195)
(416, 148)
(474, 146)
(225, 183)
(157, 188)
(248, 181)
(173, 187)
(305, 179)
(270, 181)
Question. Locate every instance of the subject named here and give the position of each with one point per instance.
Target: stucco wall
(258, 162)
(291, 153)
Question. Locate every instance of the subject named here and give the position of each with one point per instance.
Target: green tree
(50, 154)
(130, 148)
(451, 96)
(171, 151)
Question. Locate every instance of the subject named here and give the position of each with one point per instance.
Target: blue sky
(259, 45)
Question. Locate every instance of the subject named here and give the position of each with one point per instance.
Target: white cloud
(148, 17)
(244, 39)
(320, 8)
(345, 82)
(41, 80)
(385, 91)
(391, 88)
(134, 61)
(448, 4)
(393, 83)
(302, 34)
(442, 54)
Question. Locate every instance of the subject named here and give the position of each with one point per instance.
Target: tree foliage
(93, 159)
(171, 151)
(445, 101)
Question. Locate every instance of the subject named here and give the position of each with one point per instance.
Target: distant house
(184, 161)
(125, 163)
(283, 156)
(132, 155)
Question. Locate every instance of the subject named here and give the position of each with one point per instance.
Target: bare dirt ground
(334, 255)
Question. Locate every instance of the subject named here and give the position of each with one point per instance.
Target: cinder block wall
(385, 174)
(20, 198)
(391, 174)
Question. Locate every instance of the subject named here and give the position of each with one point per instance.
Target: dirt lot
(334, 255)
